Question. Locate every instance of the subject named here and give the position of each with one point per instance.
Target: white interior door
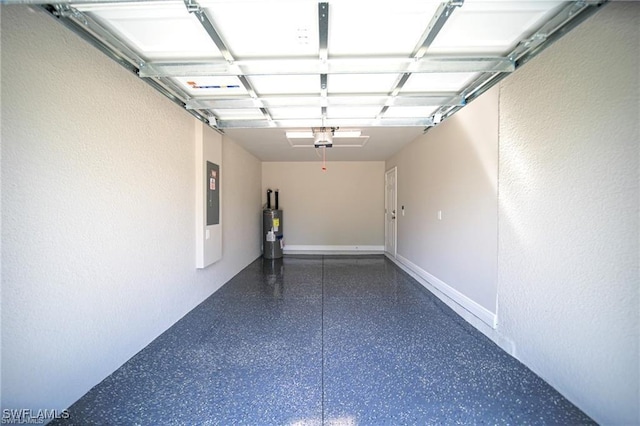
(390, 212)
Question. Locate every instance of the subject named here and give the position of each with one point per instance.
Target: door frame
(394, 222)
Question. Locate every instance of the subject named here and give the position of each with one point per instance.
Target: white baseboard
(310, 249)
(460, 303)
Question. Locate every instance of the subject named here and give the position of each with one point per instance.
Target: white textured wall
(569, 185)
(343, 206)
(98, 214)
(453, 168)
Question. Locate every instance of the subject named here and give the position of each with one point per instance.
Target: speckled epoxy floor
(322, 340)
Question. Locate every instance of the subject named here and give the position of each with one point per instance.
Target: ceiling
(255, 69)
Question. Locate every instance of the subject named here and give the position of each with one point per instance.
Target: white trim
(309, 249)
(452, 295)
